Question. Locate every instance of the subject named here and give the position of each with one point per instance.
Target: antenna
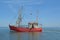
(37, 16)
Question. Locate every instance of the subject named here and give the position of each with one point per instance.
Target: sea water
(47, 34)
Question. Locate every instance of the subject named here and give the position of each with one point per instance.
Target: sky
(48, 12)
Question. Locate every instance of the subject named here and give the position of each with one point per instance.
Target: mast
(19, 20)
(37, 16)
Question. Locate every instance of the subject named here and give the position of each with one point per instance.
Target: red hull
(18, 29)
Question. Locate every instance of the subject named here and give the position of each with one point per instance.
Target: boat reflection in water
(33, 36)
(24, 35)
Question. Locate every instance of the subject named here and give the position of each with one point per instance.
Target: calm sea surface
(47, 34)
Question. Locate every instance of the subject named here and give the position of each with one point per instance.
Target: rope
(13, 19)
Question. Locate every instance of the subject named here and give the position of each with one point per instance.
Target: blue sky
(49, 12)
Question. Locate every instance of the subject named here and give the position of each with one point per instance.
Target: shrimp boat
(32, 26)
